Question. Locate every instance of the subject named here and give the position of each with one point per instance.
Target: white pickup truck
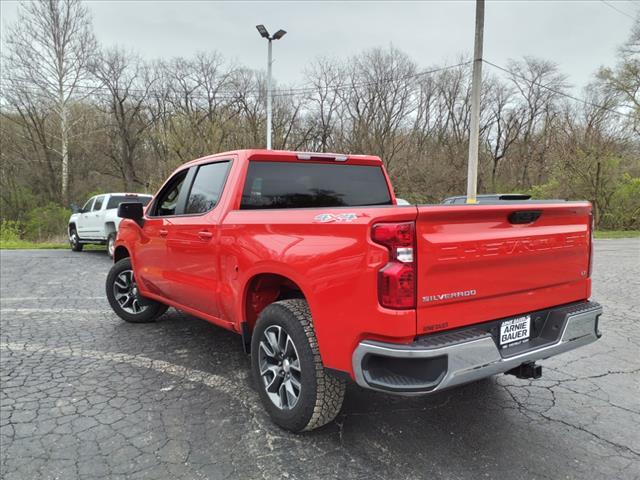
(97, 221)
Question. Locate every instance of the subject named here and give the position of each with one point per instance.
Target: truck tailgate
(478, 262)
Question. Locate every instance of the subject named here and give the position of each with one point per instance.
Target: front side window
(87, 206)
(305, 185)
(207, 187)
(98, 203)
(167, 200)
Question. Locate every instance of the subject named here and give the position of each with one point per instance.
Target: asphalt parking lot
(85, 395)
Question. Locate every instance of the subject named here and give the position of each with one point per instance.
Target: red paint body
(511, 268)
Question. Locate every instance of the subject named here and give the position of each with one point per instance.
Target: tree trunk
(64, 150)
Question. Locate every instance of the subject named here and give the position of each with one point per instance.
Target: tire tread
(329, 389)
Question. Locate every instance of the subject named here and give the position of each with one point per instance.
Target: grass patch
(617, 233)
(26, 245)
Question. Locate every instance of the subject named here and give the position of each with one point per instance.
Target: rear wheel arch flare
(109, 227)
(262, 290)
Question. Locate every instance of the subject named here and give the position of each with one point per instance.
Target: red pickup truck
(326, 279)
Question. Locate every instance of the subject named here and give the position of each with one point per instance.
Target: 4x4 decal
(330, 217)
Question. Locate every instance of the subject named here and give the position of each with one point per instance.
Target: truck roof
(124, 194)
(288, 155)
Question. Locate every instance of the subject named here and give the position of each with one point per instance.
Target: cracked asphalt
(85, 395)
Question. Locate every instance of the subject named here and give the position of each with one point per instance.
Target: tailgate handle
(524, 216)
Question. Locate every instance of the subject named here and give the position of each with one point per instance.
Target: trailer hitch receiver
(526, 370)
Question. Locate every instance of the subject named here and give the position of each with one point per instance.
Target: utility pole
(476, 88)
(276, 36)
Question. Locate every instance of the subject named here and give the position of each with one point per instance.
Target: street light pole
(474, 134)
(276, 36)
(269, 62)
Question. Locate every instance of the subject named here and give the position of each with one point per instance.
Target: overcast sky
(579, 35)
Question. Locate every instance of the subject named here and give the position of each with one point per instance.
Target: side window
(167, 200)
(87, 206)
(98, 203)
(207, 187)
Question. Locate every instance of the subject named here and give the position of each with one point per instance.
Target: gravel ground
(85, 395)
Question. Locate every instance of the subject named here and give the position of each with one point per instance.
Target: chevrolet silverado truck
(97, 221)
(327, 280)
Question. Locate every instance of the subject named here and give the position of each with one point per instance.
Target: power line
(346, 86)
(558, 92)
(622, 12)
(231, 94)
(99, 90)
(104, 92)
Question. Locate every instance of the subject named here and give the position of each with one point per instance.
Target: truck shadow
(474, 430)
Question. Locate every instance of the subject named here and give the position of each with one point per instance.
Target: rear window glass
(116, 200)
(305, 185)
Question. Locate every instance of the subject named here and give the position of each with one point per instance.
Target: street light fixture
(264, 33)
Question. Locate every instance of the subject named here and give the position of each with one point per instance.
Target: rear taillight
(397, 279)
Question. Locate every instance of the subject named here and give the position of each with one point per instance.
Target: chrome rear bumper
(462, 356)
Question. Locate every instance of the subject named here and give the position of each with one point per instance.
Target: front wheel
(74, 241)
(295, 388)
(124, 296)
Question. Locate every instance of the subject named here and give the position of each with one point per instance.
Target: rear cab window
(277, 185)
(116, 200)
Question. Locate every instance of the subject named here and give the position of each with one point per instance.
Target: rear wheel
(74, 241)
(295, 388)
(111, 244)
(124, 296)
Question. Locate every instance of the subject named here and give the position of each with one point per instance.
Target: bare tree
(623, 80)
(50, 47)
(326, 78)
(540, 86)
(590, 151)
(504, 127)
(249, 91)
(379, 102)
(126, 84)
(28, 117)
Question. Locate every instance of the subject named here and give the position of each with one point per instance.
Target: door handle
(163, 232)
(205, 235)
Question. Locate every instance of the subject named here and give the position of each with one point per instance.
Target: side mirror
(131, 210)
